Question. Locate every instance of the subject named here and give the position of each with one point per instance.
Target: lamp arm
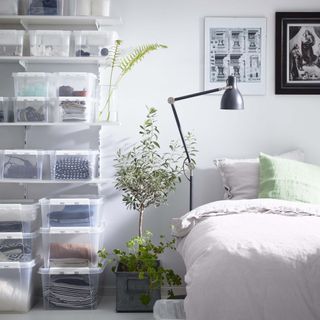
(171, 100)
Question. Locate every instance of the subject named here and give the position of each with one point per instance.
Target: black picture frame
(296, 73)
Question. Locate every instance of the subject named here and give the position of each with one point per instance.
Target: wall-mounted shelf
(24, 61)
(57, 124)
(58, 22)
(76, 182)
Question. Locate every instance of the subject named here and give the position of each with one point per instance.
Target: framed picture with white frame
(235, 46)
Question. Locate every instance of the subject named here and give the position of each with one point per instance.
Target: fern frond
(114, 55)
(134, 57)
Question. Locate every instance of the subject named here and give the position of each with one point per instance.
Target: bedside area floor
(105, 311)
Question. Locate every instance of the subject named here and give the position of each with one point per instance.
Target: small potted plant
(146, 177)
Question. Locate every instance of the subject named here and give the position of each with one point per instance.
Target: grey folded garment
(74, 110)
(16, 250)
(11, 226)
(71, 291)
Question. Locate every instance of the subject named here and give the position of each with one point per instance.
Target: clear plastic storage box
(76, 84)
(22, 164)
(9, 7)
(94, 43)
(47, 7)
(71, 288)
(4, 109)
(18, 246)
(32, 84)
(22, 216)
(71, 247)
(17, 282)
(165, 309)
(75, 109)
(74, 165)
(49, 43)
(31, 109)
(11, 42)
(71, 212)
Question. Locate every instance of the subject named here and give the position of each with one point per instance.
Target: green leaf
(145, 299)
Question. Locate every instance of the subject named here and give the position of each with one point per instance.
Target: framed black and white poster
(235, 46)
(298, 53)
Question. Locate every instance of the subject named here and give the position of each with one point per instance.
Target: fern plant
(124, 65)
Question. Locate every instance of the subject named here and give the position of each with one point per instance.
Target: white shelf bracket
(24, 24)
(24, 64)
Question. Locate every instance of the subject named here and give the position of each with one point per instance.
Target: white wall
(269, 123)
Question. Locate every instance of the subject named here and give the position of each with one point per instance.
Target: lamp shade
(232, 98)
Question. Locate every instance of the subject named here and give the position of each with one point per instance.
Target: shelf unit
(75, 182)
(58, 22)
(59, 124)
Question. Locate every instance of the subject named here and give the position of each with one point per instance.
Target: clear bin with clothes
(71, 212)
(19, 216)
(18, 246)
(72, 288)
(94, 43)
(71, 247)
(22, 164)
(32, 84)
(74, 165)
(76, 84)
(75, 109)
(31, 109)
(44, 7)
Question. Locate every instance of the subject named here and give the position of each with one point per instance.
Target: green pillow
(289, 180)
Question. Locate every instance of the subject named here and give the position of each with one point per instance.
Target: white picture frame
(235, 46)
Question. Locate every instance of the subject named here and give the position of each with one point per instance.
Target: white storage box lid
(31, 74)
(76, 74)
(23, 152)
(70, 230)
(18, 235)
(41, 99)
(76, 152)
(70, 270)
(19, 265)
(71, 201)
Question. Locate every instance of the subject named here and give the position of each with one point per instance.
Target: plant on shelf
(146, 177)
(123, 65)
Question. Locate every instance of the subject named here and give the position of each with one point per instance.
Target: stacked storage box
(72, 234)
(53, 97)
(19, 245)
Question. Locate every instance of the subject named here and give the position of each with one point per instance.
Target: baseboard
(111, 291)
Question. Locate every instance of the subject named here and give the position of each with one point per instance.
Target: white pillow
(241, 176)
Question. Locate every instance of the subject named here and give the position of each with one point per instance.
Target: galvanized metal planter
(129, 289)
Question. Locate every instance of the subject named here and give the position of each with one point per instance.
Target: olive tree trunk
(141, 213)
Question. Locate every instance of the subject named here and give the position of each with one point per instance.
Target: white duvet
(251, 260)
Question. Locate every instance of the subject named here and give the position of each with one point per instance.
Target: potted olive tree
(146, 177)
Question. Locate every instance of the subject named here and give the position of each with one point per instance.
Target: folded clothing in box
(71, 288)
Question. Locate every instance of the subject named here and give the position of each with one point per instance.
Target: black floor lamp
(231, 100)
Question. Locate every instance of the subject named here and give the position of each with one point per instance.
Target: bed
(256, 259)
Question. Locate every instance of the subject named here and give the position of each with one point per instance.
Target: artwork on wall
(235, 46)
(298, 53)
